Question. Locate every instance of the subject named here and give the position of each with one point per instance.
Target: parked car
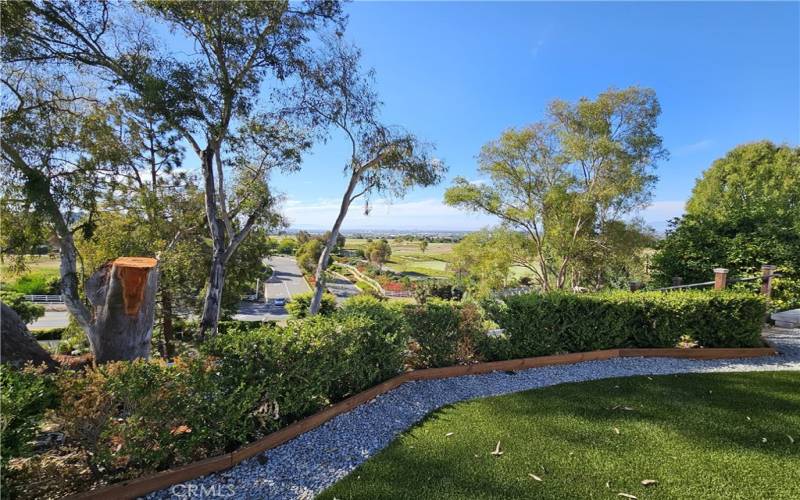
(280, 302)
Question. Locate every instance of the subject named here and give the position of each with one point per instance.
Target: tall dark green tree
(744, 212)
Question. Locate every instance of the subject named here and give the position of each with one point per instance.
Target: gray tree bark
(123, 294)
(18, 345)
(324, 258)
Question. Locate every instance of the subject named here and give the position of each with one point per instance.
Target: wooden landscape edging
(133, 488)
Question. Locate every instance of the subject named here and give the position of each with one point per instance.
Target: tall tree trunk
(324, 258)
(167, 329)
(123, 294)
(19, 346)
(212, 304)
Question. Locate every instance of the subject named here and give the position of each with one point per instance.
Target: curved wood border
(141, 486)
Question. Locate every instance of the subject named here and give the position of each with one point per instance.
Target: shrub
(48, 333)
(379, 350)
(25, 395)
(442, 289)
(36, 283)
(298, 306)
(73, 339)
(542, 324)
(28, 311)
(306, 365)
(130, 417)
(443, 333)
(227, 326)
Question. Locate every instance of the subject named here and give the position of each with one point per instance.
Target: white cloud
(695, 147)
(428, 214)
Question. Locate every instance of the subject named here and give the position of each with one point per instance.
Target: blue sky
(458, 74)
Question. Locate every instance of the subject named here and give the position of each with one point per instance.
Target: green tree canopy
(378, 252)
(744, 212)
(560, 180)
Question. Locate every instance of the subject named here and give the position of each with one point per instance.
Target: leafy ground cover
(690, 436)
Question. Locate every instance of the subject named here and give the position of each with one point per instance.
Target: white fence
(45, 299)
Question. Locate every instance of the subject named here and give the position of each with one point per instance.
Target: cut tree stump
(123, 293)
(18, 345)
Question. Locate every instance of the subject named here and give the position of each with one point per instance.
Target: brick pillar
(720, 278)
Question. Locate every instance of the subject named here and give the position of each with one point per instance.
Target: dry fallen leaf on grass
(791, 439)
(616, 431)
(608, 484)
(497, 451)
(748, 418)
(449, 434)
(627, 496)
(763, 440)
(649, 482)
(535, 477)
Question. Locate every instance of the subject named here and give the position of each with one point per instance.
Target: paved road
(286, 280)
(51, 319)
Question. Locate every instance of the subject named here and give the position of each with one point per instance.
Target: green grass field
(39, 270)
(719, 436)
(408, 259)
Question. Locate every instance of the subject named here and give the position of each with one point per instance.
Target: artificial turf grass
(691, 433)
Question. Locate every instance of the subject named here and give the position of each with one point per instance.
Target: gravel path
(306, 465)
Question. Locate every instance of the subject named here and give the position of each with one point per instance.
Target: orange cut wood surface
(141, 262)
(132, 272)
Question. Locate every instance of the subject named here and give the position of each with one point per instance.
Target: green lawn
(40, 269)
(700, 436)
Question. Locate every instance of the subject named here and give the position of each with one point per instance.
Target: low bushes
(298, 306)
(126, 419)
(25, 395)
(443, 333)
(542, 324)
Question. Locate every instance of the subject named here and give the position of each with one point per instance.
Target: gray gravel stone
(306, 465)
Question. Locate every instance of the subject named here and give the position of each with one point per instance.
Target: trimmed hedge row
(551, 323)
(128, 419)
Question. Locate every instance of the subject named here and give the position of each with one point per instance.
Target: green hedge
(49, 333)
(131, 418)
(542, 324)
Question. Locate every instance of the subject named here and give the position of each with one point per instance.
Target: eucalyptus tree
(382, 160)
(58, 156)
(560, 180)
(209, 93)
